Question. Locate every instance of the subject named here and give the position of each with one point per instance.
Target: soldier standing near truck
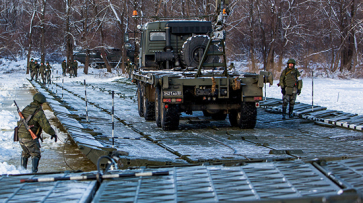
(37, 123)
(291, 85)
(129, 67)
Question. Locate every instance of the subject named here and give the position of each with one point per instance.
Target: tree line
(263, 32)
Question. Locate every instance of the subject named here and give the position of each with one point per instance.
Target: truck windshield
(157, 36)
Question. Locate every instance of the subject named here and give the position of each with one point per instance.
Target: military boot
(284, 112)
(35, 163)
(24, 162)
(291, 109)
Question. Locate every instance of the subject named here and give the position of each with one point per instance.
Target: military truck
(183, 68)
(95, 57)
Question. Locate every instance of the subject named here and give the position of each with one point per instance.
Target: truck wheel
(140, 102)
(246, 118)
(220, 116)
(169, 116)
(157, 106)
(149, 110)
(192, 48)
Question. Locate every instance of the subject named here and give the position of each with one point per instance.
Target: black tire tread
(248, 115)
(170, 118)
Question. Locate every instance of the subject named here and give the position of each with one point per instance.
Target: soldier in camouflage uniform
(64, 67)
(35, 69)
(291, 85)
(30, 146)
(129, 67)
(30, 68)
(42, 71)
(48, 72)
(75, 67)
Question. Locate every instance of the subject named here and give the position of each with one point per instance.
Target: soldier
(75, 67)
(291, 85)
(48, 73)
(129, 67)
(30, 67)
(231, 67)
(64, 67)
(42, 71)
(35, 70)
(38, 122)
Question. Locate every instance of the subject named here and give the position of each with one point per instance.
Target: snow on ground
(337, 94)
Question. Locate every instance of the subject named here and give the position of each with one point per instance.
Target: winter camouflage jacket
(42, 69)
(290, 78)
(49, 69)
(34, 67)
(64, 65)
(37, 123)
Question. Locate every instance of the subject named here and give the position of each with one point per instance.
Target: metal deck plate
(349, 171)
(11, 190)
(259, 181)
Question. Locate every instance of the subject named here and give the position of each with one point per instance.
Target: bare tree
(34, 10)
(42, 27)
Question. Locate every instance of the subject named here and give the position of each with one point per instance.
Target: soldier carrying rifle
(32, 122)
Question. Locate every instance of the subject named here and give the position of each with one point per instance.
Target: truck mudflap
(265, 77)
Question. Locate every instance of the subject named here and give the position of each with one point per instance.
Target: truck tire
(190, 51)
(169, 116)
(157, 106)
(149, 110)
(140, 102)
(245, 118)
(219, 116)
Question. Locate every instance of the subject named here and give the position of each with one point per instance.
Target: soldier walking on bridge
(48, 73)
(37, 123)
(291, 85)
(74, 67)
(64, 67)
(30, 65)
(42, 71)
(34, 70)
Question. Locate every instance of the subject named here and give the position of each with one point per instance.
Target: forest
(326, 33)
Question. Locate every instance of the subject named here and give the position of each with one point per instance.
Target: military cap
(291, 61)
(39, 97)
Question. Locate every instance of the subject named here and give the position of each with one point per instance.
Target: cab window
(157, 36)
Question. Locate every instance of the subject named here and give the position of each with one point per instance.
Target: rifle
(24, 122)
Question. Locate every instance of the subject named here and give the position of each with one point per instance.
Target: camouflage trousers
(288, 99)
(47, 77)
(31, 148)
(33, 74)
(43, 77)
